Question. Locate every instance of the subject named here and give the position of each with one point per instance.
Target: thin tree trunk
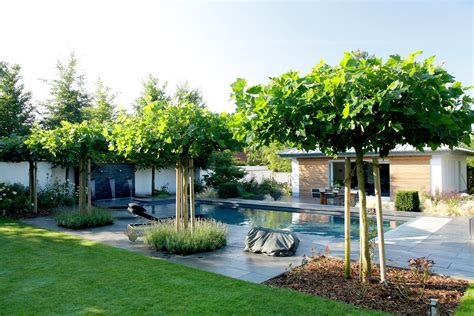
(178, 194)
(365, 266)
(82, 186)
(347, 219)
(185, 193)
(89, 189)
(30, 184)
(153, 181)
(378, 208)
(66, 175)
(35, 187)
(192, 208)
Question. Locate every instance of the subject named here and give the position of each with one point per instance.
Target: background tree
(16, 110)
(73, 144)
(185, 94)
(362, 103)
(152, 91)
(103, 106)
(267, 156)
(69, 97)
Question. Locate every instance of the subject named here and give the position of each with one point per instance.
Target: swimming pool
(313, 223)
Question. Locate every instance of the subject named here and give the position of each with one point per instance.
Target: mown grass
(467, 304)
(46, 272)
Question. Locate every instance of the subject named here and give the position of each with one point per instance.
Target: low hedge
(76, 220)
(407, 201)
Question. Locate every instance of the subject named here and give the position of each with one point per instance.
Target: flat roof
(401, 150)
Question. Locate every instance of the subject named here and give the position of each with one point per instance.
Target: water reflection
(314, 224)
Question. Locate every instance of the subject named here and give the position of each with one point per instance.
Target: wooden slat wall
(313, 174)
(409, 173)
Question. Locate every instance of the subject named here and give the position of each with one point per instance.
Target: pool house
(405, 168)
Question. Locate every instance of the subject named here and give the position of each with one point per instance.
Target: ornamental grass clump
(76, 220)
(208, 235)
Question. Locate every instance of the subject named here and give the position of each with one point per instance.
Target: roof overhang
(398, 152)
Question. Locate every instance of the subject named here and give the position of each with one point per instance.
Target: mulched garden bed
(323, 276)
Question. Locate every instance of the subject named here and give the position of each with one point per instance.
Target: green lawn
(47, 272)
(467, 305)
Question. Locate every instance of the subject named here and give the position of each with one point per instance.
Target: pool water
(306, 223)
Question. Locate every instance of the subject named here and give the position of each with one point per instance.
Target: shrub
(198, 186)
(222, 170)
(14, 197)
(162, 192)
(208, 193)
(56, 194)
(208, 235)
(268, 187)
(76, 220)
(228, 190)
(449, 204)
(407, 201)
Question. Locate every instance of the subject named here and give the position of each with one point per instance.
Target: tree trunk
(178, 194)
(365, 266)
(153, 181)
(378, 208)
(185, 193)
(347, 219)
(89, 189)
(33, 185)
(82, 186)
(66, 175)
(192, 206)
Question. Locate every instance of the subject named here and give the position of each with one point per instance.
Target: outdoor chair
(315, 193)
(330, 196)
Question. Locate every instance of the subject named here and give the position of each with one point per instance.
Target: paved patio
(445, 240)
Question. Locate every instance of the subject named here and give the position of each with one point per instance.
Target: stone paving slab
(434, 237)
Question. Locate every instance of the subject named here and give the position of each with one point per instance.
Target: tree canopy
(70, 142)
(360, 102)
(16, 109)
(167, 132)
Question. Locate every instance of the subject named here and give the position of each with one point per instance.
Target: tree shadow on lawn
(52, 272)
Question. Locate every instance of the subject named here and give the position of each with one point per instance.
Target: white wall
(165, 177)
(17, 172)
(260, 173)
(448, 173)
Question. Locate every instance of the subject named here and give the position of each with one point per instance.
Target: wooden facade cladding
(406, 173)
(313, 174)
(409, 173)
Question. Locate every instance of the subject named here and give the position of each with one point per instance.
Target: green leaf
(346, 111)
(239, 85)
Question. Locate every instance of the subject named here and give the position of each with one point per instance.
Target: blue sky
(210, 44)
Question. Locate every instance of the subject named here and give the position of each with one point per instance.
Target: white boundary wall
(260, 173)
(17, 172)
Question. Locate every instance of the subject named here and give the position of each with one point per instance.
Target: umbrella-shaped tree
(73, 144)
(14, 149)
(168, 133)
(363, 104)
